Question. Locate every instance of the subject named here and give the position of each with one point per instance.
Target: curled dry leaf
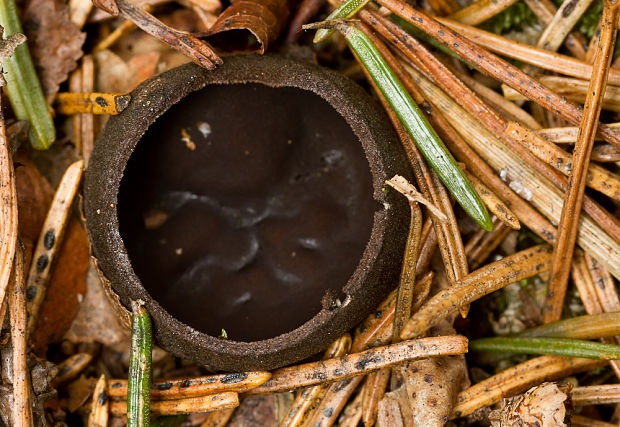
(55, 42)
(542, 406)
(248, 25)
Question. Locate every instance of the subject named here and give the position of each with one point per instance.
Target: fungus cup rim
(379, 267)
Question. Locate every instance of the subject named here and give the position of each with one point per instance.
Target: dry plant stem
(361, 363)
(574, 90)
(372, 393)
(533, 187)
(468, 100)
(22, 406)
(494, 203)
(198, 386)
(490, 242)
(195, 49)
(8, 214)
(99, 406)
(495, 99)
(562, 23)
(79, 11)
(307, 9)
(493, 65)
(569, 220)
(404, 297)
(218, 418)
(92, 103)
(581, 421)
(596, 395)
(189, 405)
(49, 241)
(447, 233)
(71, 367)
(597, 177)
(481, 10)
(483, 281)
(517, 379)
(545, 11)
(307, 400)
(525, 53)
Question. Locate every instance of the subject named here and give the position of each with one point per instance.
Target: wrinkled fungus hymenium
(243, 205)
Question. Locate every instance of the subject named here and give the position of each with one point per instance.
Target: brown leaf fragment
(55, 42)
(80, 391)
(541, 406)
(7, 47)
(389, 412)
(96, 319)
(248, 26)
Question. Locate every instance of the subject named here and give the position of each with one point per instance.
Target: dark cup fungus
(249, 200)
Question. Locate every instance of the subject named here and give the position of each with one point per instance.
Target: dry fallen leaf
(55, 42)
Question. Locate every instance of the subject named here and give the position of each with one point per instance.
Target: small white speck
(80, 298)
(386, 206)
(98, 211)
(204, 128)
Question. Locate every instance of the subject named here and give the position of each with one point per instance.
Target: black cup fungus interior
(218, 180)
(242, 205)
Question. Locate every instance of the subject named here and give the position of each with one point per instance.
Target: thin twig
(569, 220)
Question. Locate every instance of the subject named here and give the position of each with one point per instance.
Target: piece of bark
(248, 26)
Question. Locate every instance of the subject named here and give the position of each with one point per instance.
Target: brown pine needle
(22, 405)
(597, 177)
(521, 177)
(188, 405)
(177, 388)
(517, 379)
(71, 367)
(372, 393)
(51, 236)
(493, 65)
(351, 416)
(596, 395)
(545, 11)
(307, 400)
(218, 418)
(99, 406)
(493, 202)
(568, 134)
(79, 11)
(483, 281)
(544, 59)
(481, 10)
(91, 103)
(562, 23)
(569, 220)
(8, 216)
(478, 253)
(581, 421)
(361, 363)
